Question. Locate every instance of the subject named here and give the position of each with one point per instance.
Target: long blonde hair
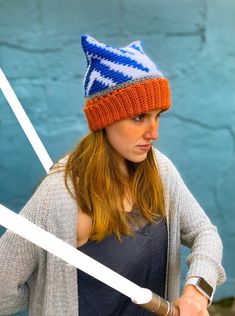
(100, 187)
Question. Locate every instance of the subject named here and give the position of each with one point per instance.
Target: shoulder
(55, 180)
(51, 199)
(164, 164)
(170, 176)
(59, 165)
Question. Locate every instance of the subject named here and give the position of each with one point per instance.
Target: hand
(192, 302)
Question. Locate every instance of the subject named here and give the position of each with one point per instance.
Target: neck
(123, 167)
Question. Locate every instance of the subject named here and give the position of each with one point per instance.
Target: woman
(119, 200)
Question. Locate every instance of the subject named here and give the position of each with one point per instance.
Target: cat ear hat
(120, 83)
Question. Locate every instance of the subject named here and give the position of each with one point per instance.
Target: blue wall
(192, 41)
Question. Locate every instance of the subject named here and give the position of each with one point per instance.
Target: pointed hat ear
(137, 45)
(88, 48)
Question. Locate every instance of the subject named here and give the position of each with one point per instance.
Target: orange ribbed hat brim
(129, 101)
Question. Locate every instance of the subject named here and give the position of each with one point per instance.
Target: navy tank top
(141, 258)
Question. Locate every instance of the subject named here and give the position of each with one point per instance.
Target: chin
(138, 159)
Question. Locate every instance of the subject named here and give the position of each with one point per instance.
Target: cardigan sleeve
(18, 257)
(201, 236)
(197, 233)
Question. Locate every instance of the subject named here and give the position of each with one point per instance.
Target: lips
(144, 148)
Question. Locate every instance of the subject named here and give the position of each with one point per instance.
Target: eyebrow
(149, 113)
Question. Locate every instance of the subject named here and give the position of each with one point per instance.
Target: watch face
(205, 286)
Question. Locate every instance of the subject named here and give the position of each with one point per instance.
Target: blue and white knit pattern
(109, 68)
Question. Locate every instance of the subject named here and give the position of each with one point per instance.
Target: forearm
(205, 257)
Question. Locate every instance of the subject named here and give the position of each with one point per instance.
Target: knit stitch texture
(120, 83)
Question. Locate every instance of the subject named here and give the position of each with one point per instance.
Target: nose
(152, 131)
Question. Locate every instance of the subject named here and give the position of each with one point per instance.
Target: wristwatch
(202, 286)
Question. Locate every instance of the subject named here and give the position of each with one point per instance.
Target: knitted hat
(120, 83)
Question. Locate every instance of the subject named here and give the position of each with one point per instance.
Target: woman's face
(132, 138)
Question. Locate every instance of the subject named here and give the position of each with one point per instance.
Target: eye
(139, 118)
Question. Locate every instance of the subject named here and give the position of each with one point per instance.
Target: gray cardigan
(34, 279)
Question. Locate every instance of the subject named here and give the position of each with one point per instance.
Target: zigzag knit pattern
(110, 67)
(120, 83)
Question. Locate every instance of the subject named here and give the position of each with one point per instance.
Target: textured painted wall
(193, 43)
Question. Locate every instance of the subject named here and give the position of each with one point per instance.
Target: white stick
(24, 228)
(25, 122)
